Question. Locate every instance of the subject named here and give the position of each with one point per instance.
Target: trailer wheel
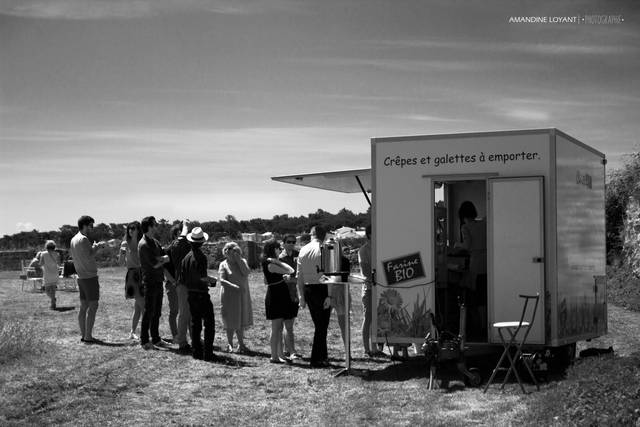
(563, 357)
(475, 379)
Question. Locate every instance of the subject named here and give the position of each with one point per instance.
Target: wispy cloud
(8, 110)
(24, 226)
(525, 109)
(428, 118)
(252, 150)
(411, 65)
(127, 9)
(529, 115)
(78, 9)
(547, 101)
(356, 97)
(541, 48)
(170, 135)
(545, 104)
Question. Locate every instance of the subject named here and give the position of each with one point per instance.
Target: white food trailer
(541, 193)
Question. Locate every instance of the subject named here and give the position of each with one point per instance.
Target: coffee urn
(331, 254)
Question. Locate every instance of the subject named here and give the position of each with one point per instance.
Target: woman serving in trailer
(473, 233)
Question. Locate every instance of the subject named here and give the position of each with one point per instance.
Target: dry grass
(598, 391)
(62, 381)
(17, 339)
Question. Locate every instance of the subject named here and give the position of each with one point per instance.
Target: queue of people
(294, 280)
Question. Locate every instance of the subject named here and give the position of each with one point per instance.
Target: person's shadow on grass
(253, 353)
(406, 370)
(103, 343)
(63, 309)
(218, 358)
(221, 359)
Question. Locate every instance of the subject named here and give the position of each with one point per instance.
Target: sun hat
(197, 236)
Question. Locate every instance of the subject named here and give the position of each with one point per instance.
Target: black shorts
(89, 289)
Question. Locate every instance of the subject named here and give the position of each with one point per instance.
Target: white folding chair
(31, 276)
(511, 342)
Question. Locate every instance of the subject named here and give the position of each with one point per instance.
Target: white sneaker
(133, 336)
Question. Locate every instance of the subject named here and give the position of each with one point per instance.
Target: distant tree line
(622, 186)
(230, 227)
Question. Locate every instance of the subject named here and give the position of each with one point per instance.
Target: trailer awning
(349, 181)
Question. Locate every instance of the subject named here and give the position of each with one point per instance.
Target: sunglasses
(293, 242)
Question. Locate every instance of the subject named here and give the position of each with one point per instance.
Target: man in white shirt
(364, 259)
(315, 294)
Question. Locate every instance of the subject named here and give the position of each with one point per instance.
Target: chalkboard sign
(405, 268)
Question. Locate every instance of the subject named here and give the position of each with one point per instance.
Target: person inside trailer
(473, 240)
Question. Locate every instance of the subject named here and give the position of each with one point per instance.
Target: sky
(121, 109)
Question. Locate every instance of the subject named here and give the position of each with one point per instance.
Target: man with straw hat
(193, 274)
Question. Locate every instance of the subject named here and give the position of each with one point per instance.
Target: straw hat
(197, 236)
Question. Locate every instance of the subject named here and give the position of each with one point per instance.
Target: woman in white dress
(49, 261)
(237, 312)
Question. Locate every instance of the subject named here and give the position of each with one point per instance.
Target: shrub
(621, 186)
(623, 287)
(631, 248)
(107, 256)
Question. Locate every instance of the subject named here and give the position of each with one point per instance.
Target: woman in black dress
(278, 303)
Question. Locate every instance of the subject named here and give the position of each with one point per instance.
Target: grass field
(49, 377)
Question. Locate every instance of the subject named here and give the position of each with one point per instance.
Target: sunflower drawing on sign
(392, 316)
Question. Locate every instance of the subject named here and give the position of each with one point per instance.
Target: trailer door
(515, 251)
